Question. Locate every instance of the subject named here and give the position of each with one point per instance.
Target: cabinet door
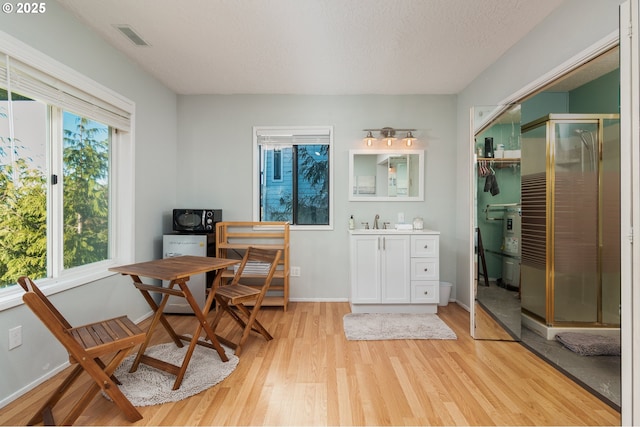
(395, 256)
(365, 269)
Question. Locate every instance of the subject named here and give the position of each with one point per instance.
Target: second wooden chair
(241, 296)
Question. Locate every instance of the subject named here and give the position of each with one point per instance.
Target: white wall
(572, 28)
(59, 35)
(215, 169)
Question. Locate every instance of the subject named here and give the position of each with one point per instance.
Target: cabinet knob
(426, 292)
(426, 246)
(426, 269)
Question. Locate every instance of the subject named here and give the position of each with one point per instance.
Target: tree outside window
(26, 220)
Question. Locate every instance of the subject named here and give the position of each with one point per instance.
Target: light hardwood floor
(311, 375)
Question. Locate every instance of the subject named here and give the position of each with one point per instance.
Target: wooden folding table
(176, 271)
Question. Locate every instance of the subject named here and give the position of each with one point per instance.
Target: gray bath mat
(590, 344)
(395, 326)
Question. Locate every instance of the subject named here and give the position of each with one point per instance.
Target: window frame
(292, 130)
(122, 197)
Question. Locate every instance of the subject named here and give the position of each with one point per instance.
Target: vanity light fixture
(388, 134)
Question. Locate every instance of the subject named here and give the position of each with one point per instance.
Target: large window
(29, 185)
(65, 152)
(293, 175)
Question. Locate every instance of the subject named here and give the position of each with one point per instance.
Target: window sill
(311, 227)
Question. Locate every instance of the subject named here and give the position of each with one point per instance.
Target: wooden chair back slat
(29, 286)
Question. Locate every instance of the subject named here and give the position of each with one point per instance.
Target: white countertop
(391, 231)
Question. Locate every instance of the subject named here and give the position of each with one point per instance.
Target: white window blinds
(293, 136)
(26, 80)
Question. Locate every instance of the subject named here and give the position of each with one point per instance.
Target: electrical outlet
(295, 271)
(15, 337)
(400, 217)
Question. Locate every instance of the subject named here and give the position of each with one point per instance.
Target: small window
(293, 175)
(277, 164)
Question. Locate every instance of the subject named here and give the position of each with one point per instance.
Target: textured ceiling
(314, 46)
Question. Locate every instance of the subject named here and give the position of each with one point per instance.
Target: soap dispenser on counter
(352, 223)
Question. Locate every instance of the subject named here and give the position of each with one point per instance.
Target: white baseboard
(27, 388)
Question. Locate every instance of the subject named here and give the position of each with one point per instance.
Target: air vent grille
(131, 34)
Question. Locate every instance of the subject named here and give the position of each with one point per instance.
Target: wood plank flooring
(311, 375)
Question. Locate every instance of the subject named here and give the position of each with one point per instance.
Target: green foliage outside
(86, 194)
(23, 226)
(23, 204)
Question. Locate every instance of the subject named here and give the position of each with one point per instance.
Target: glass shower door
(575, 278)
(610, 222)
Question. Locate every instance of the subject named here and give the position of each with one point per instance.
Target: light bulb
(369, 139)
(409, 139)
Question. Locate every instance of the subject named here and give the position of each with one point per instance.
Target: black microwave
(196, 220)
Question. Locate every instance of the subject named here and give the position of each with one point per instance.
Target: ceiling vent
(130, 34)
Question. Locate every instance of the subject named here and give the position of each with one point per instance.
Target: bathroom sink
(380, 231)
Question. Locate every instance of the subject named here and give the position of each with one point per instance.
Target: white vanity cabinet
(394, 271)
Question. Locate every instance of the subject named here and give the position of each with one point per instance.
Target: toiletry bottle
(352, 223)
(488, 147)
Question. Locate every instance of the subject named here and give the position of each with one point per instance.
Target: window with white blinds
(293, 176)
(66, 174)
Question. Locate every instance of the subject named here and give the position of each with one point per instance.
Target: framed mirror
(386, 175)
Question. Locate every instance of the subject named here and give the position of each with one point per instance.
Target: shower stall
(570, 261)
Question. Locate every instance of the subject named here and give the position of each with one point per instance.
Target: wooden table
(176, 271)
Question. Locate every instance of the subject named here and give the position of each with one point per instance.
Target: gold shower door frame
(550, 122)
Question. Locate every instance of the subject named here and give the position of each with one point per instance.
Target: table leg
(163, 320)
(157, 317)
(201, 315)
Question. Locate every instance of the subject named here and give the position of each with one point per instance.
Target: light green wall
(599, 96)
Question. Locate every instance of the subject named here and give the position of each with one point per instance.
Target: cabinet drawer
(424, 246)
(425, 291)
(425, 269)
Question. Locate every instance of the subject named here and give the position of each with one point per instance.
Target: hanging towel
(491, 185)
(488, 182)
(494, 190)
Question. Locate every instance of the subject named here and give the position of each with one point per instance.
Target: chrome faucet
(375, 222)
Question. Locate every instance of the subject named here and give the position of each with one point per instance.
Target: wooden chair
(85, 345)
(242, 296)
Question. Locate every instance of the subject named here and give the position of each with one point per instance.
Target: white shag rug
(149, 386)
(396, 326)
